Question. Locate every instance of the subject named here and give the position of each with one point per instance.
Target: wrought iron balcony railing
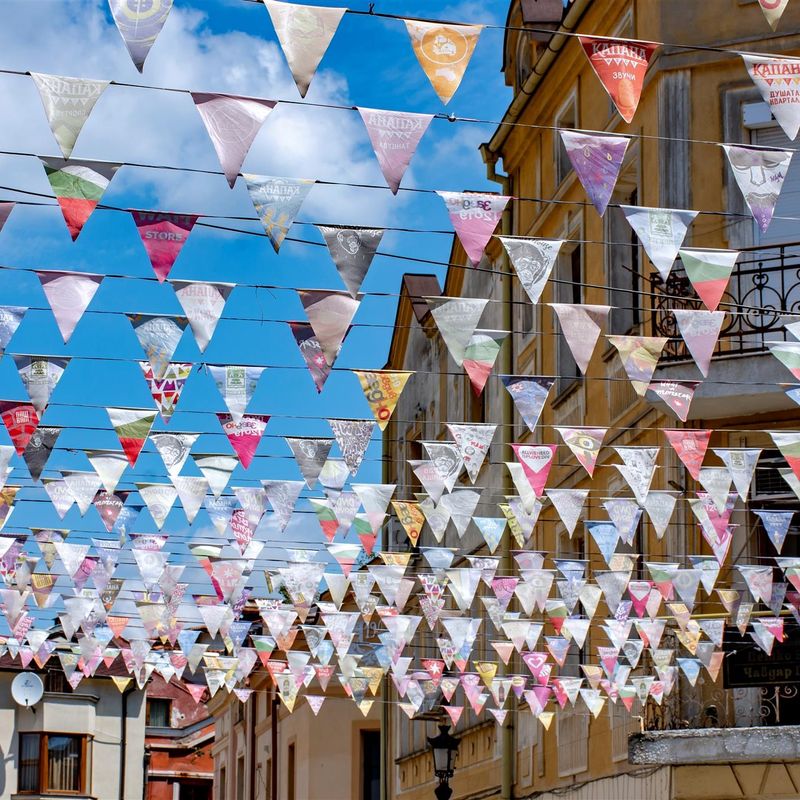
(764, 286)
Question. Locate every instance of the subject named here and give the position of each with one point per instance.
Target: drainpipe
(251, 743)
(274, 745)
(123, 738)
(507, 751)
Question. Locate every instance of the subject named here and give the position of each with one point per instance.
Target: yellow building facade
(692, 99)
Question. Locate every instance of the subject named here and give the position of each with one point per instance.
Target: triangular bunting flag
(709, 272)
(237, 385)
(352, 251)
(759, 175)
(394, 136)
(443, 52)
(382, 389)
(67, 102)
(69, 294)
(139, 23)
(245, 434)
(700, 330)
(330, 314)
(132, 425)
(776, 80)
(163, 236)
(78, 186)
(232, 123)
(661, 232)
(639, 356)
(621, 66)
(580, 326)
(166, 391)
(456, 318)
(474, 218)
(533, 261)
(277, 202)
(304, 33)
(597, 161)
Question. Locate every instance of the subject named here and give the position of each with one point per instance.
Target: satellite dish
(27, 689)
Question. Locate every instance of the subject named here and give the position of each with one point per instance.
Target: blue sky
(225, 46)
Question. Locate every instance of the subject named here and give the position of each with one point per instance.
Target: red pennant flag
(690, 445)
(21, 421)
(621, 66)
(163, 236)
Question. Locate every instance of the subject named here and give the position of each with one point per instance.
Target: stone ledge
(715, 746)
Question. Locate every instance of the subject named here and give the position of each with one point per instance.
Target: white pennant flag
(67, 103)
(304, 33)
(661, 232)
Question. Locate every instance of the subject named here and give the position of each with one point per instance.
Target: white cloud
(143, 126)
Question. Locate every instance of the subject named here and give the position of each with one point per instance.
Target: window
(240, 779)
(622, 267)
(370, 765)
(290, 774)
(475, 404)
(223, 784)
(55, 681)
(195, 791)
(567, 290)
(566, 118)
(53, 763)
(158, 712)
(763, 132)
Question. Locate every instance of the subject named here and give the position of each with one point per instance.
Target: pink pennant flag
(163, 236)
(232, 123)
(5, 211)
(581, 326)
(700, 330)
(585, 443)
(474, 217)
(395, 136)
(536, 461)
(244, 435)
(690, 445)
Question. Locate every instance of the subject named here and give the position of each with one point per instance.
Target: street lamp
(444, 748)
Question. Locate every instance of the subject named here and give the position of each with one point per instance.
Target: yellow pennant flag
(443, 52)
(487, 670)
(382, 388)
(411, 518)
(121, 683)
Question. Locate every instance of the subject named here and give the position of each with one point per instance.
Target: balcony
(765, 285)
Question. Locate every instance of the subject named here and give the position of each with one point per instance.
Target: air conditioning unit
(768, 484)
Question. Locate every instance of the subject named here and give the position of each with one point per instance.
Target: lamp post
(444, 748)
